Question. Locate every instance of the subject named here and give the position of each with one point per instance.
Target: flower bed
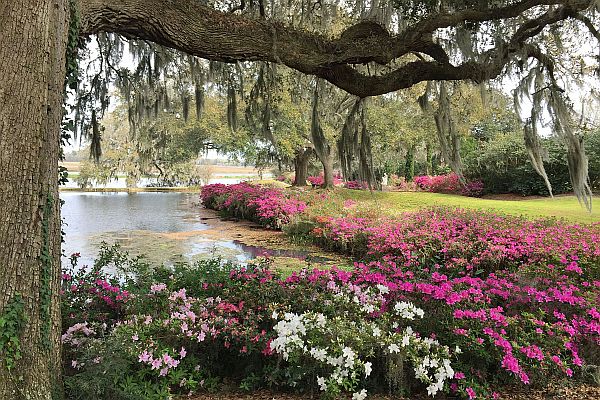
(462, 242)
(270, 207)
(319, 180)
(375, 328)
(356, 185)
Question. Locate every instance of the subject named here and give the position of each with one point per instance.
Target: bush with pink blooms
(319, 180)
(464, 242)
(356, 185)
(316, 180)
(377, 327)
(270, 207)
(449, 184)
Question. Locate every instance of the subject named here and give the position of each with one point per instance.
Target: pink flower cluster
(163, 363)
(449, 183)
(356, 185)
(270, 207)
(319, 180)
(465, 242)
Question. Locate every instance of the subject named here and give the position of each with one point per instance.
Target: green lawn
(565, 207)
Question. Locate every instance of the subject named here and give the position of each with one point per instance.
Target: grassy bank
(564, 207)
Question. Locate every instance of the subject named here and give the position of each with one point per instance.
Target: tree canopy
(500, 33)
(366, 48)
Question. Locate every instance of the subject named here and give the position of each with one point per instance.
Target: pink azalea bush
(356, 185)
(450, 184)
(269, 207)
(319, 180)
(316, 180)
(463, 242)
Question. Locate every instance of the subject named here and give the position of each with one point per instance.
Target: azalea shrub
(319, 180)
(270, 207)
(356, 185)
(450, 184)
(316, 180)
(463, 242)
(377, 326)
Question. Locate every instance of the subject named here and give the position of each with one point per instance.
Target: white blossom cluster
(369, 299)
(314, 335)
(289, 331)
(430, 359)
(292, 337)
(408, 310)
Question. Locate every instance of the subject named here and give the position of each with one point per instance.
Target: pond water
(121, 182)
(166, 227)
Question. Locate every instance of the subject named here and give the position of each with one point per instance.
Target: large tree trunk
(322, 147)
(327, 161)
(33, 35)
(301, 166)
(429, 159)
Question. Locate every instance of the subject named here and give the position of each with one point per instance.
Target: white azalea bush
(339, 352)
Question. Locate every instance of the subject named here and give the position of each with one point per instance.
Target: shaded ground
(557, 392)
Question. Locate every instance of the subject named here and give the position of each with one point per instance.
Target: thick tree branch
(513, 10)
(188, 26)
(588, 23)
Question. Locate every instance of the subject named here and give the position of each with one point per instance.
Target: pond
(167, 227)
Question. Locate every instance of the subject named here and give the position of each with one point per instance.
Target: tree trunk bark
(301, 166)
(429, 162)
(321, 146)
(33, 36)
(327, 161)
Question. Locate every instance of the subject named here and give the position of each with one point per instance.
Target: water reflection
(166, 227)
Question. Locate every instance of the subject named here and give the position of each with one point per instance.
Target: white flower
(432, 389)
(348, 353)
(368, 369)
(405, 341)
(321, 383)
(383, 289)
(393, 348)
(318, 353)
(321, 320)
(335, 361)
(457, 350)
(360, 395)
(369, 308)
(275, 315)
(408, 310)
(376, 331)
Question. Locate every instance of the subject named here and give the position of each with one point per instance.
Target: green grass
(562, 207)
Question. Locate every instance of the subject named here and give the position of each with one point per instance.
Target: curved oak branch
(202, 31)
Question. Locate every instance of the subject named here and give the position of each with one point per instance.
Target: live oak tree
(382, 47)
